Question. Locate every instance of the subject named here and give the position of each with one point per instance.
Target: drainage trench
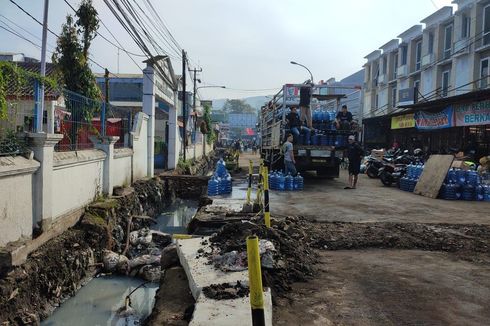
(98, 302)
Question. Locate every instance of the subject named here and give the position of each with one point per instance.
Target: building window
(416, 87)
(376, 101)
(465, 26)
(445, 82)
(395, 64)
(486, 25)
(448, 39)
(393, 97)
(385, 65)
(404, 55)
(484, 73)
(418, 55)
(431, 43)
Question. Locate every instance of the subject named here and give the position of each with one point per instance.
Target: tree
(210, 134)
(71, 55)
(238, 106)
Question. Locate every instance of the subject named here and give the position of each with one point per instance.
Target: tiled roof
(27, 92)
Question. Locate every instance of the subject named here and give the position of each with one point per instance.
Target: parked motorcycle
(392, 173)
(372, 167)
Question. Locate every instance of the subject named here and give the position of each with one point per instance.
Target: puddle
(97, 302)
(176, 217)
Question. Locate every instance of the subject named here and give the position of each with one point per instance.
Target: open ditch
(56, 285)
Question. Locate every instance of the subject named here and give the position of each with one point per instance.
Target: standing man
(354, 153)
(304, 105)
(289, 161)
(343, 119)
(296, 127)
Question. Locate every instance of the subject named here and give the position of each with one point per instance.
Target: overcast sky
(244, 44)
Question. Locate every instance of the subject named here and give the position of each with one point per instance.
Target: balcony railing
(462, 47)
(402, 71)
(382, 79)
(428, 59)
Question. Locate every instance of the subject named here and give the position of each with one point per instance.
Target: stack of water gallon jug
(464, 185)
(281, 182)
(408, 182)
(220, 183)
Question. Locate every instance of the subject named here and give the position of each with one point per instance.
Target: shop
(376, 132)
(457, 123)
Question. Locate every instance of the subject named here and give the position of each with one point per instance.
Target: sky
(246, 46)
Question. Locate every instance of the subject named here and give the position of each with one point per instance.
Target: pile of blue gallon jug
(464, 185)
(279, 181)
(220, 183)
(459, 184)
(408, 182)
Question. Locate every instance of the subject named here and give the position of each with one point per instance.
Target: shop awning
(474, 96)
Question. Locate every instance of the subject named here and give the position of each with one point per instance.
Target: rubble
(226, 291)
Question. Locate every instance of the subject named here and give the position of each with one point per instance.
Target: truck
(325, 152)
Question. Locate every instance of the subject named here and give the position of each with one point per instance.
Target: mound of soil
(225, 291)
(293, 259)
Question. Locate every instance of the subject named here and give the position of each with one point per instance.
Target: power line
(20, 36)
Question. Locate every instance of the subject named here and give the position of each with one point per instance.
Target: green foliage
(185, 165)
(211, 135)
(87, 23)
(71, 56)
(17, 79)
(238, 106)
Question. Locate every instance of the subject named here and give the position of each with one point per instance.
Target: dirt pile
(468, 241)
(225, 291)
(293, 258)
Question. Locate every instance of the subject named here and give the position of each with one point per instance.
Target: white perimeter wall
(77, 179)
(121, 174)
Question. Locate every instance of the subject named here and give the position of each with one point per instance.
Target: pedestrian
(289, 161)
(304, 105)
(354, 153)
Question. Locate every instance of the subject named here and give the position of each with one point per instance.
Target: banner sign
(403, 121)
(428, 121)
(472, 114)
(291, 94)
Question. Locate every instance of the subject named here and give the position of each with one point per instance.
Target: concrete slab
(225, 205)
(199, 272)
(228, 312)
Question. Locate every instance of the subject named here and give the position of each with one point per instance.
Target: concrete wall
(16, 215)
(140, 148)
(77, 180)
(121, 173)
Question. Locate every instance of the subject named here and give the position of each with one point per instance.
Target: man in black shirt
(343, 119)
(354, 153)
(296, 127)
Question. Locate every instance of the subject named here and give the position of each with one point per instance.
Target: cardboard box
(459, 164)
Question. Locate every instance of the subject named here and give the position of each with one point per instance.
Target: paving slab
(234, 312)
(199, 272)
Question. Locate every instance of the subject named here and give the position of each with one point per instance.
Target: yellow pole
(267, 214)
(249, 190)
(258, 200)
(255, 281)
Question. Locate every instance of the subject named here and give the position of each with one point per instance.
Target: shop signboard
(403, 121)
(472, 114)
(429, 121)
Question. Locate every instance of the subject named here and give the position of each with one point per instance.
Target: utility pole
(195, 70)
(40, 108)
(106, 103)
(184, 100)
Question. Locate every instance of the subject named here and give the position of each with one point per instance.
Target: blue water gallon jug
(281, 180)
(288, 184)
(299, 182)
(468, 192)
(272, 180)
(479, 193)
(461, 176)
(486, 192)
(213, 187)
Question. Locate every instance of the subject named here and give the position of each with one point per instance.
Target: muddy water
(176, 217)
(97, 302)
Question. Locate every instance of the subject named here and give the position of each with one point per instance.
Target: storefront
(375, 132)
(459, 122)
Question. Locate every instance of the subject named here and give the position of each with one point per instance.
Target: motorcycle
(372, 167)
(392, 173)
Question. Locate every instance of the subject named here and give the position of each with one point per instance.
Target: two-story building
(429, 86)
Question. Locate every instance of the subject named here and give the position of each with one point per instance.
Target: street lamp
(299, 64)
(211, 87)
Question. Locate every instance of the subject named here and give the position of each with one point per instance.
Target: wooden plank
(435, 171)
